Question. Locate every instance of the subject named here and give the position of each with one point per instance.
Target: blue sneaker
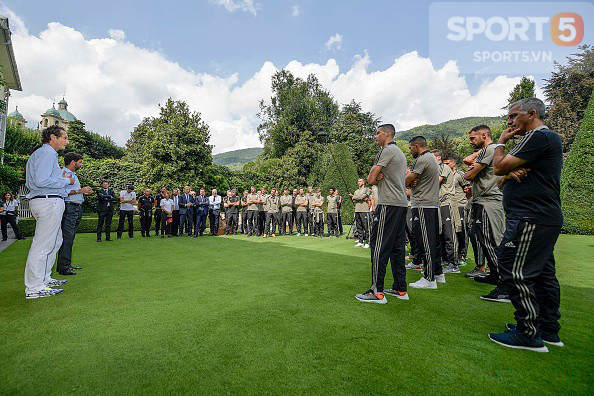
(552, 339)
(518, 340)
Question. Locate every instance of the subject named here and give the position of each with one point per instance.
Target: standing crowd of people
(507, 206)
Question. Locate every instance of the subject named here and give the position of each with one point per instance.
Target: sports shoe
(298, 234)
(552, 339)
(497, 295)
(491, 279)
(462, 262)
(440, 278)
(305, 234)
(424, 283)
(518, 340)
(359, 244)
(56, 282)
(47, 292)
(366, 246)
(451, 269)
(398, 294)
(412, 266)
(475, 272)
(371, 297)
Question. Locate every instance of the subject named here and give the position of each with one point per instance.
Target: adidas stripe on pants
(426, 234)
(484, 234)
(448, 238)
(527, 268)
(387, 239)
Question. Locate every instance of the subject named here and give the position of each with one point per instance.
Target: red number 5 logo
(567, 29)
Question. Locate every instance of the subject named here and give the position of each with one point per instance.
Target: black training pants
(123, 215)
(301, 220)
(252, 223)
(333, 224)
(485, 238)
(461, 236)
(426, 234)
(231, 223)
(448, 240)
(527, 268)
(388, 236)
(146, 218)
(287, 221)
(362, 220)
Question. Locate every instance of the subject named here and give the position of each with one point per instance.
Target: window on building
(57, 122)
(45, 122)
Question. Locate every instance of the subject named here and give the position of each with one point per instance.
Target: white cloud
(250, 6)
(112, 85)
(334, 42)
(296, 10)
(117, 34)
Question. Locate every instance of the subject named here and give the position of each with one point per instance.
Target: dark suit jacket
(201, 204)
(183, 201)
(105, 201)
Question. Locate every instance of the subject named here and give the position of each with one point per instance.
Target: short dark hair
(130, 187)
(72, 156)
(104, 181)
(420, 140)
(388, 127)
(481, 128)
(55, 130)
(331, 188)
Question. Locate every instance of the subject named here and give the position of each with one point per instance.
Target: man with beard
(253, 201)
(301, 203)
(459, 201)
(487, 207)
(361, 200)
(286, 202)
(531, 198)
(272, 207)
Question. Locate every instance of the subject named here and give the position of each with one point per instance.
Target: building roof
(16, 114)
(66, 115)
(52, 112)
(63, 101)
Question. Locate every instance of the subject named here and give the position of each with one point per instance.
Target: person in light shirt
(8, 215)
(214, 211)
(166, 215)
(127, 201)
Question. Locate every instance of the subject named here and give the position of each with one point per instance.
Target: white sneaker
(305, 234)
(366, 246)
(440, 278)
(423, 283)
(298, 234)
(357, 241)
(359, 244)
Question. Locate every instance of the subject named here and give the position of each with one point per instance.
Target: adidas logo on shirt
(448, 219)
(478, 222)
(510, 244)
(416, 218)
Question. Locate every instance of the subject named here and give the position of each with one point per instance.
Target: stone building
(60, 116)
(17, 118)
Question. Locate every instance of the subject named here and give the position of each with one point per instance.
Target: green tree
(524, 89)
(577, 189)
(20, 140)
(91, 144)
(340, 172)
(568, 90)
(447, 146)
(173, 146)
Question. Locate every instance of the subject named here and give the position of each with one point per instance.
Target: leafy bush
(9, 179)
(577, 189)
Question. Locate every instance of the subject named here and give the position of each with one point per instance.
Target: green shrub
(577, 189)
(87, 224)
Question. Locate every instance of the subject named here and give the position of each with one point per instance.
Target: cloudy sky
(115, 62)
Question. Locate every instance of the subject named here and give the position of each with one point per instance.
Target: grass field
(239, 315)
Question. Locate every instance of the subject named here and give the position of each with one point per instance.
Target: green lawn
(241, 315)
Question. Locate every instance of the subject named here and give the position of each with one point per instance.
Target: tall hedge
(577, 188)
(340, 173)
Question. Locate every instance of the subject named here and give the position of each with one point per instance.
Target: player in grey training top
(388, 234)
(361, 199)
(423, 179)
(458, 202)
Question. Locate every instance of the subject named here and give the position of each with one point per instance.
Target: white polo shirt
(128, 196)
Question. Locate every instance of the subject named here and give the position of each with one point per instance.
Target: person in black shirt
(244, 205)
(531, 199)
(145, 207)
(158, 209)
(105, 202)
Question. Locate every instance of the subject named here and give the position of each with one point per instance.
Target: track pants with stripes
(448, 240)
(387, 239)
(487, 241)
(527, 268)
(409, 232)
(461, 236)
(426, 234)
(362, 220)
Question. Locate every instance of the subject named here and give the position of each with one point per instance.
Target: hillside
(455, 128)
(235, 159)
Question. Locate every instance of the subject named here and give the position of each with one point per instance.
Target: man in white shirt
(214, 210)
(176, 211)
(127, 201)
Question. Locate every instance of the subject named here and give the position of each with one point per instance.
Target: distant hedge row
(577, 186)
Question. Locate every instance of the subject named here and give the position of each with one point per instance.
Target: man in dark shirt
(145, 207)
(158, 210)
(233, 203)
(201, 208)
(105, 201)
(531, 199)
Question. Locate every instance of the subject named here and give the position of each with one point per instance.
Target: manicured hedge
(577, 188)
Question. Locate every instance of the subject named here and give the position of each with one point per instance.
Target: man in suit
(201, 209)
(186, 201)
(105, 201)
(214, 205)
(158, 210)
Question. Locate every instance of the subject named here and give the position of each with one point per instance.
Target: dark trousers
(286, 221)
(175, 223)
(462, 236)
(333, 224)
(485, 238)
(157, 220)
(231, 223)
(200, 223)
(104, 217)
(426, 234)
(130, 215)
(409, 233)
(294, 218)
(362, 221)
(261, 222)
(213, 217)
(10, 218)
(388, 236)
(318, 223)
(70, 221)
(244, 227)
(252, 223)
(311, 222)
(165, 226)
(527, 268)
(185, 221)
(448, 240)
(272, 221)
(339, 217)
(479, 258)
(146, 219)
(301, 220)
